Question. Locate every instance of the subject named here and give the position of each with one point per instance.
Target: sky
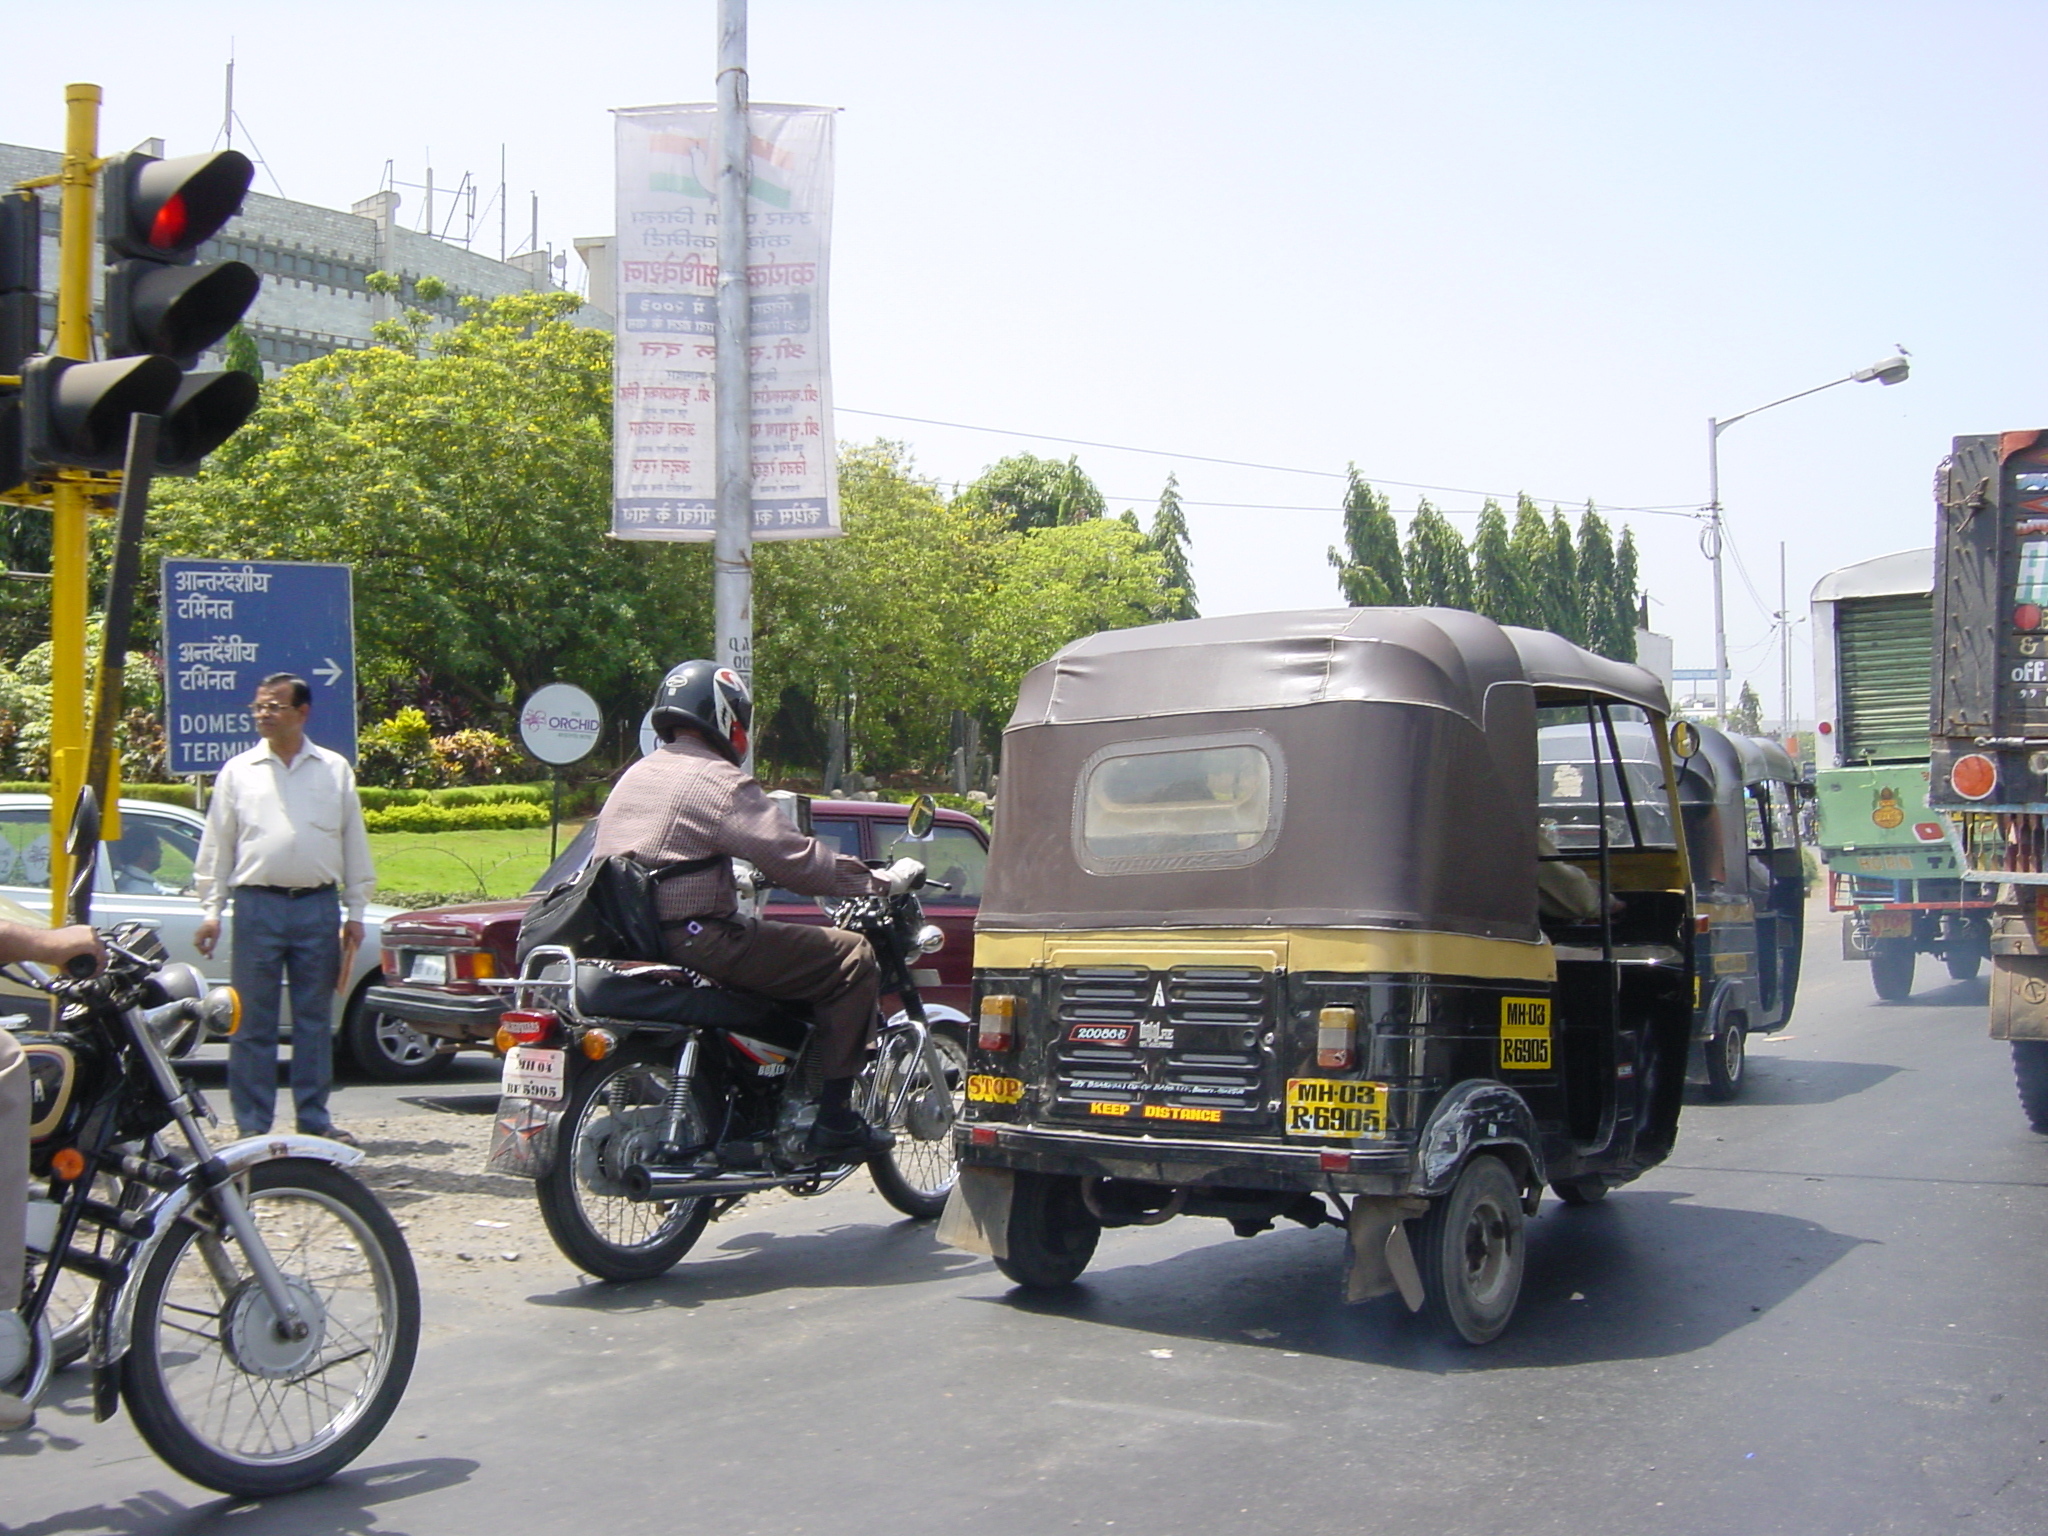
(1471, 247)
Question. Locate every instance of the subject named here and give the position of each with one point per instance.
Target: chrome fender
(935, 1013)
(239, 1156)
(1476, 1114)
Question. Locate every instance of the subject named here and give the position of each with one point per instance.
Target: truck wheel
(1470, 1253)
(1052, 1233)
(1891, 968)
(2030, 1066)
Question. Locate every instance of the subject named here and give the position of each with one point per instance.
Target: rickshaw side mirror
(1685, 740)
(924, 811)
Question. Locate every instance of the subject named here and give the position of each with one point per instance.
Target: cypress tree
(1369, 567)
(1439, 570)
(1627, 597)
(1563, 613)
(1596, 584)
(1170, 538)
(1499, 589)
(1530, 545)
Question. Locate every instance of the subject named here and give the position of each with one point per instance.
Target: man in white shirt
(285, 839)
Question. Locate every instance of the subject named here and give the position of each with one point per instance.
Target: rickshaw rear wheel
(1052, 1235)
(1727, 1059)
(1471, 1253)
(1891, 968)
(2030, 1067)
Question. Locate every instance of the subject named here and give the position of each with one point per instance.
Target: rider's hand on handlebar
(77, 950)
(902, 877)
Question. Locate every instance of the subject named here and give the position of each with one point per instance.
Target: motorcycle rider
(690, 799)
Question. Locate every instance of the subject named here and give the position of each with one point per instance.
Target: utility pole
(732, 580)
(1784, 650)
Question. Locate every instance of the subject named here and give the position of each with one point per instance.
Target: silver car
(147, 875)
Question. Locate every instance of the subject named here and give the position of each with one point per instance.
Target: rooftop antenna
(230, 118)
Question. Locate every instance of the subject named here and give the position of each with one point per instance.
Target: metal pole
(732, 580)
(1784, 650)
(69, 547)
(1714, 554)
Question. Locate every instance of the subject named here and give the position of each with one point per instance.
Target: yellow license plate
(1321, 1106)
(1891, 925)
(1525, 1034)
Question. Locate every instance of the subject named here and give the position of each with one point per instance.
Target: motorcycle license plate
(536, 1073)
(1320, 1106)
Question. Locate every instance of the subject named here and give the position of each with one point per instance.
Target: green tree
(1031, 492)
(1170, 540)
(1439, 569)
(1500, 586)
(1564, 613)
(1369, 569)
(1748, 715)
(1627, 596)
(240, 353)
(1595, 558)
(1532, 550)
(466, 475)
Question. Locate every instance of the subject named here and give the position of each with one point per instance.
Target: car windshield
(570, 861)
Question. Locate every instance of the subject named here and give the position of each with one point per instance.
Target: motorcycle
(253, 1304)
(644, 1103)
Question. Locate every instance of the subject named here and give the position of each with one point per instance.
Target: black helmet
(712, 699)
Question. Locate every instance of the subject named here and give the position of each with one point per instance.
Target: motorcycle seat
(665, 995)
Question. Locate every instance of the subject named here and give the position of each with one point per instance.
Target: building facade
(315, 264)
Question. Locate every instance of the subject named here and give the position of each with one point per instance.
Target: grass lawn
(460, 865)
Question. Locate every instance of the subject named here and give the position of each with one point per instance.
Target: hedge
(455, 818)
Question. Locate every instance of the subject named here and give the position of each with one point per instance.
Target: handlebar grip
(81, 966)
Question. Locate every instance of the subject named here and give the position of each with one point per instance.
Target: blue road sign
(228, 624)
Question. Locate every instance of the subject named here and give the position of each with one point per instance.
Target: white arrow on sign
(329, 674)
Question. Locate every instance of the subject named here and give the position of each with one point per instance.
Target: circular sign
(1973, 776)
(560, 724)
(649, 742)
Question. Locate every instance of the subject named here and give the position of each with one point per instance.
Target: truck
(1894, 875)
(1989, 762)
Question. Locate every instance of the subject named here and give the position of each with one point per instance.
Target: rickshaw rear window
(1202, 803)
(1570, 798)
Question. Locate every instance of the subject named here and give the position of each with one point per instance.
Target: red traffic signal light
(158, 214)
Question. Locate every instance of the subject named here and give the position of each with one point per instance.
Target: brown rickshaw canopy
(1348, 767)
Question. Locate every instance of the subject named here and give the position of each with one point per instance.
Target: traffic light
(161, 300)
(76, 414)
(21, 251)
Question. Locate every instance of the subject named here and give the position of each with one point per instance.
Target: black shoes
(843, 1133)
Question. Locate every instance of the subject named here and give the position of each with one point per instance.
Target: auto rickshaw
(1261, 939)
(1739, 797)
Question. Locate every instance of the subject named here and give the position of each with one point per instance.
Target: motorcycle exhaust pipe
(645, 1183)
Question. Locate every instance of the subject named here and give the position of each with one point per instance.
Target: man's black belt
(288, 890)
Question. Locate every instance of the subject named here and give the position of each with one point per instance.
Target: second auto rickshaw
(1261, 939)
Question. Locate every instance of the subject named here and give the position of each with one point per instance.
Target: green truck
(1893, 870)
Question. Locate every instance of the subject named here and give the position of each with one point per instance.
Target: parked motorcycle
(644, 1104)
(253, 1304)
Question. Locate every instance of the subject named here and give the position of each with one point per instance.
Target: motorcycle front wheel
(918, 1173)
(616, 1117)
(223, 1395)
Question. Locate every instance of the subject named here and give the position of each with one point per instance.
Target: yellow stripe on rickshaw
(1358, 950)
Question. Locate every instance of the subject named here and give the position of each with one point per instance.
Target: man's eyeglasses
(272, 709)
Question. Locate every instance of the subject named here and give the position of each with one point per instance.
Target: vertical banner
(665, 472)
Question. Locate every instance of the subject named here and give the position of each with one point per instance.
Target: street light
(1889, 371)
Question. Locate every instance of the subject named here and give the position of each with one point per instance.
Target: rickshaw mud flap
(1381, 1259)
(523, 1139)
(1475, 1115)
(977, 1214)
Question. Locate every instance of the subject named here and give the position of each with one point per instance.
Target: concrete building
(315, 263)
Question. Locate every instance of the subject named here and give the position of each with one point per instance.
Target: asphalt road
(1827, 1316)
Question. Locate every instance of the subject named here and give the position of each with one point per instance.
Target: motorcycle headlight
(930, 939)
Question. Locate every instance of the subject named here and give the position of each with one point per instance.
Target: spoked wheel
(1470, 1253)
(616, 1117)
(918, 1173)
(1052, 1233)
(1891, 968)
(2030, 1067)
(389, 1050)
(1727, 1058)
(224, 1394)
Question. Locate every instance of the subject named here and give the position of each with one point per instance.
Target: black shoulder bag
(607, 912)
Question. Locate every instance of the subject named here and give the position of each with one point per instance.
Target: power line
(1677, 509)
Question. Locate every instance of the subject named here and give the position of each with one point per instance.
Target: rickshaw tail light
(1336, 1162)
(1337, 1037)
(982, 1135)
(1702, 924)
(998, 1031)
(526, 1026)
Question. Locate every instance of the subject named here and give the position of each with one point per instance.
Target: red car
(432, 1003)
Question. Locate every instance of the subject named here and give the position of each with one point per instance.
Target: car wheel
(389, 1050)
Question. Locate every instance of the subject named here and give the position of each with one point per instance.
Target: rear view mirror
(924, 811)
(1685, 740)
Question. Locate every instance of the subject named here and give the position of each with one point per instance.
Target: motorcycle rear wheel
(917, 1174)
(614, 1119)
(212, 1388)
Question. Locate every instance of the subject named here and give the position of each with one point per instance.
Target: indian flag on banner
(684, 164)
